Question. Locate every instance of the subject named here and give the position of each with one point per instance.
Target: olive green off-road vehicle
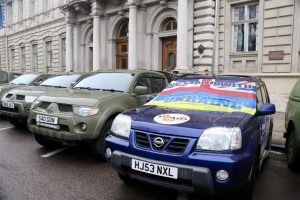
(20, 99)
(85, 112)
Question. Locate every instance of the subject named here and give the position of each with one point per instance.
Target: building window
(23, 59)
(33, 8)
(245, 27)
(20, 10)
(9, 12)
(49, 55)
(12, 59)
(63, 52)
(47, 4)
(169, 24)
(34, 61)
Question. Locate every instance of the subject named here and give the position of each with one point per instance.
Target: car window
(106, 81)
(296, 90)
(62, 81)
(259, 94)
(157, 84)
(144, 81)
(24, 79)
(265, 94)
(218, 95)
(15, 76)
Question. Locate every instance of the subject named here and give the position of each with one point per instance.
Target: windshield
(106, 81)
(25, 79)
(209, 95)
(62, 81)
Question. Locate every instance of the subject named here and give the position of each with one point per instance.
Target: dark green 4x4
(85, 112)
(292, 125)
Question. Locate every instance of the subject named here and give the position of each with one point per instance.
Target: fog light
(108, 153)
(222, 175)
(83, 126)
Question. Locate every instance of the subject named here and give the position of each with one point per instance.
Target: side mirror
(141, 90)
(72, 84)
(150, 98)
(266, 109)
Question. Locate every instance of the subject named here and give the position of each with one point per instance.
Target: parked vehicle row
(201, 133)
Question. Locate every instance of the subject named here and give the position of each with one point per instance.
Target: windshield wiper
(57, 86)
(112, 90)
(86, 88)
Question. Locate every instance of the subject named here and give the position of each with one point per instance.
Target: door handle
(267, 118)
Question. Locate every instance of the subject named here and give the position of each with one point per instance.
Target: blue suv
(203, 134)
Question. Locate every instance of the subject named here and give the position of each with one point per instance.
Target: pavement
(278, 129)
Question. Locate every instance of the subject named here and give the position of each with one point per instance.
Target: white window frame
(33, 7)
(22, 58)
(49, 54)
(63, 52)
(246, 23)
(12, 60)
(48, 5)
(20, 10)
(9, 12)
(34, 56)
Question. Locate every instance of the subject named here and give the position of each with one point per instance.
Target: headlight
(122, 125)
(85, 111)
(220, 139)
(34, 104)
(30, 99)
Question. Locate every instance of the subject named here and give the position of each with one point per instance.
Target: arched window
(170, 24)
(123, 30)
(122, 46)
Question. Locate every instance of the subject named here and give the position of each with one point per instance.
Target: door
(122, 54)
(169, 46)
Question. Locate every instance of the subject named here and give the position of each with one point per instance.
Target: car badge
(158, 142)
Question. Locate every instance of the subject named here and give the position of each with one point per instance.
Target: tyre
(98, 147)
(293, 154)
(245, 192)
(43, 141)
(125, 179)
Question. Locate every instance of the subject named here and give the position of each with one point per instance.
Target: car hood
(77, 97)
(143, 119)
(7, 87)
(32, 90)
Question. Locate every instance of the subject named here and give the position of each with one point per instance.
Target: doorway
(122, 47)
(169, 46)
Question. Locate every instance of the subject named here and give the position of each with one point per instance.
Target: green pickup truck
(292, 125)
(6, 76)
(20, 99)
(85, 112)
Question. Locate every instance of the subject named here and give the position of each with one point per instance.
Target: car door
(269, 120)
(262, 119)
(155, 84)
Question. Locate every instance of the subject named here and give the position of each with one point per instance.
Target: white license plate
(8, 105)
(46, 119)
(155, 169)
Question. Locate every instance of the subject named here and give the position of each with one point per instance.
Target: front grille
(65, 108)
(44, 105)
(9, 95)
(178, 145)
(142, 140)
(20, 97)
(169, 144)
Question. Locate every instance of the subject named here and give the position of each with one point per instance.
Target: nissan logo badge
(158, 142)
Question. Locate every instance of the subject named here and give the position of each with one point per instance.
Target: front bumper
(20, 110)
(69, 127)
(190, 178)
(197, 169)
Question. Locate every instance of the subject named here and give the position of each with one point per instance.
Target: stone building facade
(252, 37)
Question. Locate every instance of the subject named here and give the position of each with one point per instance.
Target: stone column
(96, 12)
(182, 35)
(69, 41)
(132, 38)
